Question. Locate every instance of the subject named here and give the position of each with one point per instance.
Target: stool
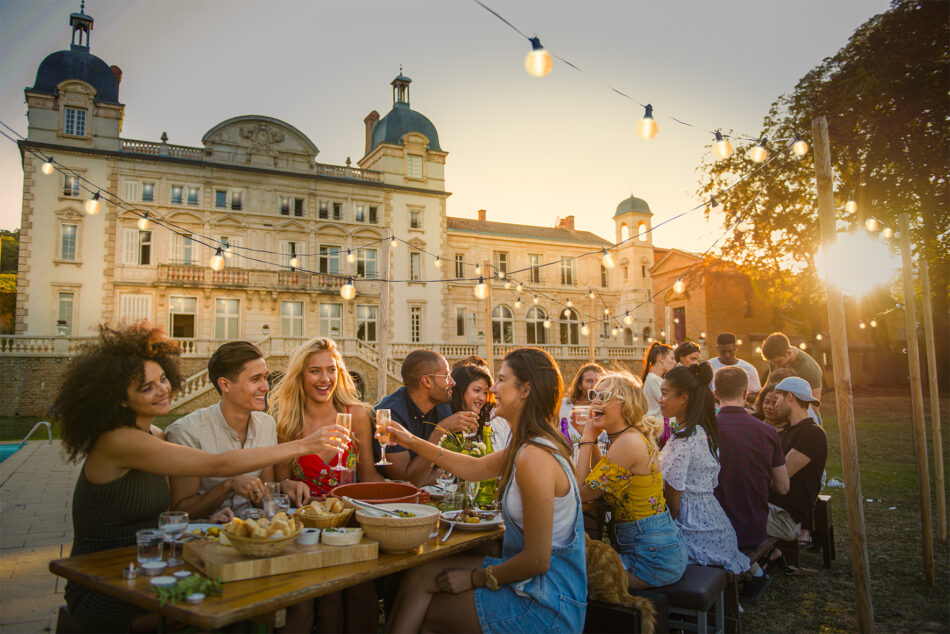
(823, 535)
(610, 618)
(699, 590)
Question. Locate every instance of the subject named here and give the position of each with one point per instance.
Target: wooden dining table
(261, 600)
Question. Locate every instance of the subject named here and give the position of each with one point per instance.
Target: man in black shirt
(806, 450)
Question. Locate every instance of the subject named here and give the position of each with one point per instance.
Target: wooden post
(382, 364)
(917, 401)
(934, 400)
(842, 380)
(591, 343)
(489, 332)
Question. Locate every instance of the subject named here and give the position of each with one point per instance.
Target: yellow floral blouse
(630, 497)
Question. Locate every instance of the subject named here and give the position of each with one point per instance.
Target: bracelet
(586, 442)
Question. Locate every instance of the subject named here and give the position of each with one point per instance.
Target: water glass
(582, 414)
(271, 489)
(383, 418)
(150, 542)
(346, 422)
(251, 513)
(283, 503)
(471, 491)
(172, 525)
(444, 477)
(452, 501)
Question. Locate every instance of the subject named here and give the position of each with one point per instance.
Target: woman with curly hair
(631, 482)
(110, 396)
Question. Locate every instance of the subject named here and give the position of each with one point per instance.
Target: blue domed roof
(77, 63)
(400, 121)
(633, 204)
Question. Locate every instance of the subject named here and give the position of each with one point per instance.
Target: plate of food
(202, 530)
(473, 520)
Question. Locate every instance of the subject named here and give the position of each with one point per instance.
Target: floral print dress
(320, 476)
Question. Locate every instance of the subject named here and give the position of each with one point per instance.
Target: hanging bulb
(507, 285)
(758, 349)
(676, 320)
(887, 232)
(758, 153)
(851, 206)
(294, 262)
(799, 147)
(802, 345)
(627, 319)
(438, 262)
(518, 302)
(636, 338)
(519, 288)
(679, 286)
(646, 127)
(873, 323)
(217, 260)
(702, 335)
(738, 342)
(478, 269)
(591, 294)
(566, 312)
(501, 275)
(535, 300)
(648, 340)
(351, 256)
(546, 323)
(872, 224)
(713, 203)
(614, 331)
(481, 291)
(606, 312)
(662, 333)
(538, 62)
(393, 242)
(47, 167)
(819, 337)
(92, 205)
(607, 260)
(862, 325)
(722, 148)
(569, 303)
(348, 290)
(143, 222)
(584, 329)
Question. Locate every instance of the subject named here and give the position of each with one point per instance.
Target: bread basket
(261, 546)
(309, 519)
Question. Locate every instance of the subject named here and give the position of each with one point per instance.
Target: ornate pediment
(68, 213)
(291, 225)
(260, 141)
(229, 220)
(184, 217)
(416, 243)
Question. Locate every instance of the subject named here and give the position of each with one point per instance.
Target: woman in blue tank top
(540, 581)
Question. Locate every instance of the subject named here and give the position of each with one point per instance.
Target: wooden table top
(241, 600)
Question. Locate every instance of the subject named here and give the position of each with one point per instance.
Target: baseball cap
(799, 387)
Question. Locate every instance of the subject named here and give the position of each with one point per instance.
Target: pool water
(8, 450)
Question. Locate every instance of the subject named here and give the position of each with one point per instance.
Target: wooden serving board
(228, 564)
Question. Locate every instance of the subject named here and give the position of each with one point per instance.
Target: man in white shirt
(239, 373)
(726, 344)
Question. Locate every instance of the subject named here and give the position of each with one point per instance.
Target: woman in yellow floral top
(630, 481)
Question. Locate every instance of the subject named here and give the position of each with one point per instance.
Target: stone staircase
(370, 354)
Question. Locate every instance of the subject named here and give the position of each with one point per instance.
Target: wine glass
(345, 421)
(471, 491)
(383, 418)
(173, 524)
(444, 477)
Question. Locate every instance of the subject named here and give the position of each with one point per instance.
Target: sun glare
(857, 263)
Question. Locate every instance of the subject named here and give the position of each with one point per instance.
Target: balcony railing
(355, 173)
(184, 275)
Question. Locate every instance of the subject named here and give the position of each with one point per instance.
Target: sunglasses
(603, 397)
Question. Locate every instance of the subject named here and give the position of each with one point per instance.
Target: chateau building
(292, 231)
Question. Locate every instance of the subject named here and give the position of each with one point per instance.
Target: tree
(9, 250)
(884, 95)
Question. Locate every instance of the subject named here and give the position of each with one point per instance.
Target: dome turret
(633, 204)
(402, 119)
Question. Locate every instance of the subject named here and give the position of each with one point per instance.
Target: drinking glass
(383, 418)
(444, 477)
(271, 489)
(271, 506)
(283, 503)
(471, 491)
(452, 501)
(582, 414)
(173, 524)
(150, 542)
(252, 513)
(470, 434)
(346, 422)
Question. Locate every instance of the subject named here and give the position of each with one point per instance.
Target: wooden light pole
(382, 363)
(917, 401)
(934, 400)
(489, 332)
(590, 338)
(842, 377)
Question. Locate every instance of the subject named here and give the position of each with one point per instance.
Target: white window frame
(224, 204)
(291, 248)
(75, 242)
(416, 219)
(570, 327)
(69, 318)
(331, 320)
(363, 261)
(535, 332)
(501, 259)
(373, 217)
(74, 121)
(133, 241)
(415, 324)
(461, 314)
(135, 307)
(173, 310)
(151, 198)
(367, 323)
(502, 324)
(415, 266)
(171, 194)
(72, 187)
(568, 271)
(197, 199)
(414, 166)
(327, 262)
(534, 261)
(359, 215)
(291, 321)
(132, 190)
(227, 324)
(459, 265)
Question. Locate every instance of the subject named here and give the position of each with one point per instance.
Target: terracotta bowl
(381, 492)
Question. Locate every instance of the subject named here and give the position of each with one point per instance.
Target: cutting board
(227, 564)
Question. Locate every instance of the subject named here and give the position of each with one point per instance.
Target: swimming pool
(8, 450)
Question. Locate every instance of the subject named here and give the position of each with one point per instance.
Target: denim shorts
(652, 549)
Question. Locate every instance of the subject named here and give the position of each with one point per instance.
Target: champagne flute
(471, 491)
(444, 477)
(345, 421)
(173, 524)
(383, 418)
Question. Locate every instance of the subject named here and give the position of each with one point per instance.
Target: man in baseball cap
(806, 450)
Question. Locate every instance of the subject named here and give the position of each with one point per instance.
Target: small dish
(309, 537)
(181, 574)
(152, 568)
(195, 598)
(342, 536)
(164, 581)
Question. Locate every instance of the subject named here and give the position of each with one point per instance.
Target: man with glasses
(422, 407)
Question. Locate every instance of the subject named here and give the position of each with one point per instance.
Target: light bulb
(143, 222)
(591, 294)
(217, 261)
(92, 205)
(607, 260)
(819, 337)
(702, 335)
(636, 338)
(348, 290)
(546, 323)
(851, 206)
(722, 148)
(679, 286)
(481, 291)
(887, 232)
(758, 349)
(662, 333)
(535, 300)
(478, 270)
(569, 303)
(676, 320)
(862, 325)
(538, 62)
(507, 285)
(713, 203)
(738, 342)
(606, 311)
(351, 257)
(802, 345)
(47, 167)
(614, 331)
(501, 275)
(799, 147)
(393, 242)
(566, 312)
(627, 319)
(873, 323)
(649, 340)
(585, 330)
(758, 153)
(518, 302)
(294, 262)
(519, 288)
(438, 262)
(646, 127)
(871, 224)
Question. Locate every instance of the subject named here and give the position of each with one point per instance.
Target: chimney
(481, 215)
(369, 122)
(117, 73)
(566, 223)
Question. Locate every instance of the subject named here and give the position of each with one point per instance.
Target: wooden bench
(822, 535)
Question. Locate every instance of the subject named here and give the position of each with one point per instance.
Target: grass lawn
(902, 601)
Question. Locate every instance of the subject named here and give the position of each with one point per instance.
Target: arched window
(534, 322)
(627, 337)
(570, 327)
(642, 231)
(646, 333)
(502, 325)
(624, 232)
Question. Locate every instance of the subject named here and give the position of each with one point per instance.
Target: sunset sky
(527, 150)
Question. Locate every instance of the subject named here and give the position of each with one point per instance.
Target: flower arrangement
(476, 447)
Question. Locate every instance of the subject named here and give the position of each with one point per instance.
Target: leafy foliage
(9, 250)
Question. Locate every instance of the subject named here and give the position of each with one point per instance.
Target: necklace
(611, 437)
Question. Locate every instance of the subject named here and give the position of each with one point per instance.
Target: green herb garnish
(189, 585)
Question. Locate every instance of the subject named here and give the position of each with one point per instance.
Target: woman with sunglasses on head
(690, 462)
(631, 483)
(540, 581)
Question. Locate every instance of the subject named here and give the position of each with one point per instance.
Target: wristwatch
(490, 582)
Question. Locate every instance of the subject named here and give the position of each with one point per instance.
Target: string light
(646, 127)
(481, 291)
(535, 300)
(227, 248)
(819, 337)
(873, 323)
(217, 260)
(546, 323)
(294, 262)
(758, 153)
(887, 232)
(800, 147)
(591, 294)
(507, 284)
(92, 205)
(851, 206)
(570, 303)
(738, 342)
(713, 203)
(872, 224)
(348, 290)
(614, 331)
(607, 260)
(722, 148)
(606, 312)
(758, 349)
(143, 222)
(584, 329)
(351, 257)
(519, 288)
(627, 319)
(676, 320)
(47, 167)
(538, 62)
(478, 269)
(702, 335)
(679, 286)
(862, 325)
(662, 333)
(438, 262)
(517, 302)
(393, 242)
(802, 345)
(566, 312)
(501, 275)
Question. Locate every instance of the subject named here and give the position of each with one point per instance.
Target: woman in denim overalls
(541, 578)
